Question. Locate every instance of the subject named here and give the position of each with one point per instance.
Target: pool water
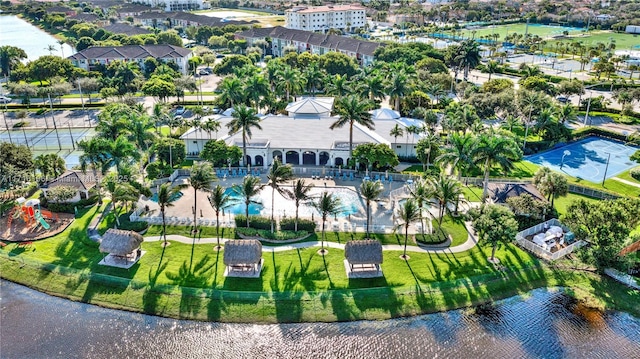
(351, 203)
(173, 198)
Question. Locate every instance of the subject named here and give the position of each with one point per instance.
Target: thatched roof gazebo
(365, 256)
(243, 258)
(123, 248)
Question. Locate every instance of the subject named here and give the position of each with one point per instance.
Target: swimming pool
(351, 203)
(176, 196)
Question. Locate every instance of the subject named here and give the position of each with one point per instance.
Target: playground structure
(26, 221)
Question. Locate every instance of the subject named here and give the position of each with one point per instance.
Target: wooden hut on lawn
(364, 256)
(123, 247)
(243, 258)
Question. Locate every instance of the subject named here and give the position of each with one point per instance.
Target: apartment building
(322, 18)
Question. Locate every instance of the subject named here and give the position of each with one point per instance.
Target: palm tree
(301, 193)
(396, 132)
(550, 184)
(410, 131)
(327, 204)
(492, 68)
(338, 86)
(211, 125)
(566, 113)
(94, 154)
(421, 193)
(10, 56)
(256, 87)
(61, 43)
(373, 87)
(426, 147)
(121, 152)
(51, 49)
(370, 190)
(313, 78)
(445, 191)
(200, 180)
(159, 115)
(140, 132)
(398, 88)
(291, 81)
(244, 118)
(495, 150)
(408, 212)
(249, 188)
(231, 91)
(353, 110)
(459, 155)
(277, 175)
(166, 196)
(219, 200)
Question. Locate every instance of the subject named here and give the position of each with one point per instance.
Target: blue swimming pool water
(173, 198)
(350, 202)
(587, 159)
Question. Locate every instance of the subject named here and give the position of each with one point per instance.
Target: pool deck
(382, 211)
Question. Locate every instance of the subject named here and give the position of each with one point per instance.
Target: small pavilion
(123, 248)
(363, 258)
(243, 258)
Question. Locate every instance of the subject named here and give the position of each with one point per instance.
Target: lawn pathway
(626, 182)
(470, 243)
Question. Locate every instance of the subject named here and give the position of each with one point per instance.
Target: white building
(175, 5)
(322, 18)
(304, 136)
(93, 56)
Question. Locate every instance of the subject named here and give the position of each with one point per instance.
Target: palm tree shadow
(151, 296)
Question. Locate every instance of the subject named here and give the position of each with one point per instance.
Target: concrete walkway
(634, 184)
(470, 243)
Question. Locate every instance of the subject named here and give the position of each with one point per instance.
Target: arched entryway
(309, 158)
(339, 161)
(277, 155)
(324, 158)
(247, 160)
(259, 160)
(293, 157)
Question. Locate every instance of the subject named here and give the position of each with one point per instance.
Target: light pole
(606, 168)
(566, 153)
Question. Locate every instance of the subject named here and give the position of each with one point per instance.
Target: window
(396, 146)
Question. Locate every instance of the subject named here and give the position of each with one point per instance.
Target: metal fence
(586, 191)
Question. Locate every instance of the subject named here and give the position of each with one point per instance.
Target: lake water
(35, 42)
(545, 324)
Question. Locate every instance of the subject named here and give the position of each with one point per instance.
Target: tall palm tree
(300, 193)
(248, 189)
(407, 212)
(121, 152)
(492, 68)
(396, 132)
(211, 125)
(550, 184)
(244, 119)
(398, 88)
(427, 147)
(327, 204)
(94, 154)
(291, 81)
(231, 91)
(219, 200)
(459, 155)
(167, 194)
(140, 132)
(338, 86)
(410, 131)
(160, 115)
(200, 180)
(373, 87)
(278, 174)
(256, 87)
(313, 78)
(445, 191)
(370, 191)
(495, 150)
(421, 193)
(353, 110)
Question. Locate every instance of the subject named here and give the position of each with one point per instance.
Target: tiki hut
(243, 256)
(365, 254)
(120, 243)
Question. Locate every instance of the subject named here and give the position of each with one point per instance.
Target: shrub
(21, 114)
(288, 224)
(635, 173)
(68, 207)
(266, 233)
(256, 222)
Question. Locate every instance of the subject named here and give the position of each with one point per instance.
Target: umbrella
(384, 114)
(229, 112)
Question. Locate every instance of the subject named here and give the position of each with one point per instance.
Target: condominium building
(93, 56)
(175, 5)
(322, 18)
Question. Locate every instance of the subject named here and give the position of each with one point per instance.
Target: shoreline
(214, 305)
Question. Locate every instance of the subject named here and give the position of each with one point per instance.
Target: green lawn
(561, 203)
(186, 281)
(503, 30)
(627, 176)
(623, 41)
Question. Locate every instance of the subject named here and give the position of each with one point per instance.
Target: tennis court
(587, 159)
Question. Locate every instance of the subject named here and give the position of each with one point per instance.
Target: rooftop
(131, 52)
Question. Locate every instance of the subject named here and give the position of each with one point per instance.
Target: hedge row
(68, 207)
(288, 224)
(255, 222)
(265, 233)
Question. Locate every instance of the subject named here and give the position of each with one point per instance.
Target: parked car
(5, 99)
(203, 72)
(180, 110)
(562, 99)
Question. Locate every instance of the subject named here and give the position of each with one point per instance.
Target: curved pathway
(622, 180)
(470, 243)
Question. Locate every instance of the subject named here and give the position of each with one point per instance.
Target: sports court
(587, 159)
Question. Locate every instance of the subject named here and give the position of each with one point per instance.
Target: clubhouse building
(304, 136)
